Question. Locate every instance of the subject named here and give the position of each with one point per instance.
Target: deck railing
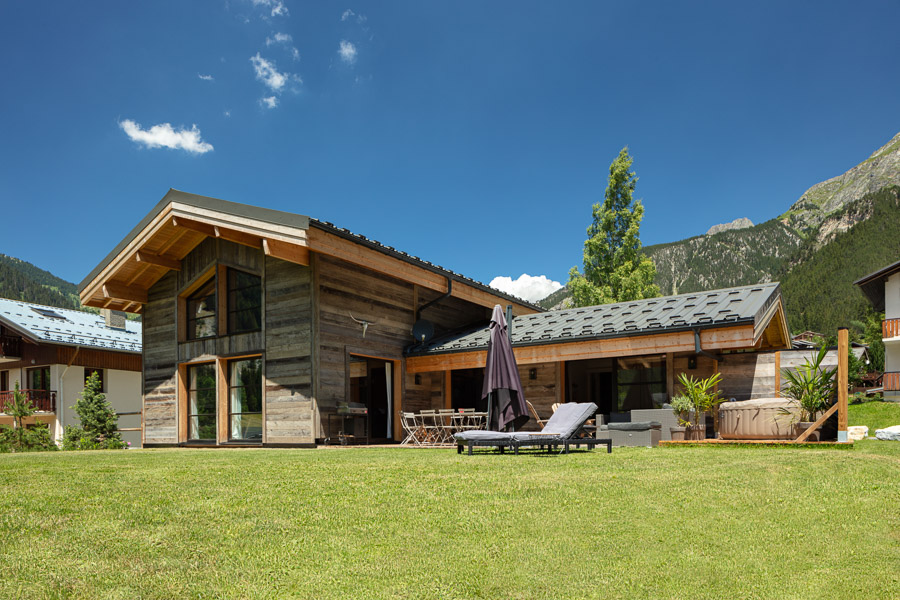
(42, 400)
(10, 345)
(890, 328)
(891, 381)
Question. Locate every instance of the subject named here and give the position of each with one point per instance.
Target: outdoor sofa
(561, 429)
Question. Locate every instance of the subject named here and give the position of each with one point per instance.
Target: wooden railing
(890, 328)
(10, 345)
(891, 381)
(42, 400)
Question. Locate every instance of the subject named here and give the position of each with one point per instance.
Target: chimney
(114, 319)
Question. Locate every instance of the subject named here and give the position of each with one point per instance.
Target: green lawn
(724, 522)
(875, 415)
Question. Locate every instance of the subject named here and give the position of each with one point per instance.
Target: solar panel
(46, 312)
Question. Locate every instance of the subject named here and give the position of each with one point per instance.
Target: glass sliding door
(245, 399)
(202, 400)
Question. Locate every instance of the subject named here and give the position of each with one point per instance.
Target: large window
(202, 399)
(39, 378)
(244, 302)
(245, 399)
(201, 311)
(641, 383)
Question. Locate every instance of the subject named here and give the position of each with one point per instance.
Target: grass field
(727, 522)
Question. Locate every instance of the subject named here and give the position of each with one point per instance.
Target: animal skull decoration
(365, 324)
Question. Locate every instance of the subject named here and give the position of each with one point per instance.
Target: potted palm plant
(810, 388)
(703, 397)
(682, 407)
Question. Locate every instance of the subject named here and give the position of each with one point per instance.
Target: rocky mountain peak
(741, 223)
(881, 169)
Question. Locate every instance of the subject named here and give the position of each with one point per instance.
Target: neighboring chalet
(259, 325)
(882, 288)
(50, 352)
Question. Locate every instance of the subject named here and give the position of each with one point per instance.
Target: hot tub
(761, 419)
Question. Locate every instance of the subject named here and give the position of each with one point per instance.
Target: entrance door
(371, 384)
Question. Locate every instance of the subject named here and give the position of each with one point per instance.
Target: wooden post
(842, 382)
(448, 390)
(670, 375)
(778, 374)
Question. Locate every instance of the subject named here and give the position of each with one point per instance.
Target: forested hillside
(20, 280)
(818, 283)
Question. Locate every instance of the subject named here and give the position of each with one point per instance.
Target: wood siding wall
(288, 365)
(160, 358)
(748, 376)
(284, 342)
(389, 305)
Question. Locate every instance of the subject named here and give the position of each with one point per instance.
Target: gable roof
(70, 328)
(748, 305)
(872, 285)
(181, 221)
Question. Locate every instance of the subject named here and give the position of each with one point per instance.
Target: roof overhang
(181, 221)
(872, 285)
(768, 331)
(171, 230)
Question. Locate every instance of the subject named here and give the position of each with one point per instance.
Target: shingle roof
(71, 328)
(716, 308)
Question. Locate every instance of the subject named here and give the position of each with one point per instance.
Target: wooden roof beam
(284, 251)
(232, 235)
(158, 260)
(124, 293)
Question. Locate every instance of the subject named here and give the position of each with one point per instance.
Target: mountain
(838, 231)
(20, 280)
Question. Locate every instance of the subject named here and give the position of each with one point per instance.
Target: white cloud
(295, 54)
(205, 77)
(227, 113)
(268, 74)
(277, 6)
(165, 136)
(527, 287)
(270, 102)
(347, 52)
(349, 13)
(279, 38)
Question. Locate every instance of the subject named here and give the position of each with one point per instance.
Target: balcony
(890, 328)
(42, 400)
(10, 348)
(891, 381)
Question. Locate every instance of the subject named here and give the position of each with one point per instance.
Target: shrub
(19, 437)
(99, 422)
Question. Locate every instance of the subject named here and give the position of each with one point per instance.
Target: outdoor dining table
(437, 427)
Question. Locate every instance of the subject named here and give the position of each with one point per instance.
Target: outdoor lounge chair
(560, 430)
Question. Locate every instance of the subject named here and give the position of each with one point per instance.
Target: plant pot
(695, 433)
(802, 426)
(678, 433)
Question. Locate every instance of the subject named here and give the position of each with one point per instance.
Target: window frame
(189, 389)
(28, 373)
(231, 275)
(229, 387)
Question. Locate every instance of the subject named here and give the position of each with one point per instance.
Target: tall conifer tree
(615, 268)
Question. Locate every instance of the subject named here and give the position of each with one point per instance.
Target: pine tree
(99, 422)
(615, 268)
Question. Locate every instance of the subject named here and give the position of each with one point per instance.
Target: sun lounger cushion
(636, 426)
(564, 423)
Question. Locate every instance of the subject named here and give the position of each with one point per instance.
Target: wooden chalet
(261, 326)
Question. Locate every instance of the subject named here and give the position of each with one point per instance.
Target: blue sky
(473, 134)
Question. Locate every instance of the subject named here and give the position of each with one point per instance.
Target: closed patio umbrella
(502, 387)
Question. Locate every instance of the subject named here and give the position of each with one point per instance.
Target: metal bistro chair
(428, 420)
(414, 433)
(447, 426)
